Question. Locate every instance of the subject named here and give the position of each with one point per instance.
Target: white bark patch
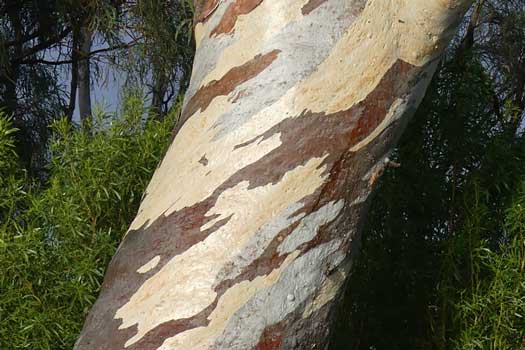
(309, 226)
(207, 50)
(360, 199)
(192, 274)
(297, 59)
(149, 265)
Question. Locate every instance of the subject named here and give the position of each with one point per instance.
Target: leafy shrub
(491, 314)
(56, 240)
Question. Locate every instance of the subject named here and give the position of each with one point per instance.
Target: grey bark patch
(270, 305)
(309, 227)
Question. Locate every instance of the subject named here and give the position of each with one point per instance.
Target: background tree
(162, 61)
(31, 93)
(42, 43)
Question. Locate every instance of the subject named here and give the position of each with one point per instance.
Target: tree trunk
(74, 76)
(160, 85)
(247, 231)
(10, 72)
(84, 74)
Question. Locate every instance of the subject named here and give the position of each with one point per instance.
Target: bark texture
(245, 236)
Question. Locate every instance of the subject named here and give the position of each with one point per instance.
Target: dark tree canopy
(48, 47)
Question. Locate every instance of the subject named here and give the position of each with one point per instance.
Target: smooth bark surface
(247, 230)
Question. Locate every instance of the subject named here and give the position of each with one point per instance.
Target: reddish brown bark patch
(203, 9)
(310, 6)
(271, 338)
(235, 76)
(240, 7)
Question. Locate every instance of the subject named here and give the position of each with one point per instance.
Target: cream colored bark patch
(182, 180)
(149, 265)
(202, 338)
(192, 274)
(198, 34)
(385, 32)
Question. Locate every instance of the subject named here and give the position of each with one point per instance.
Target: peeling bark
(247, 231)
(311, 5)
(239, 7)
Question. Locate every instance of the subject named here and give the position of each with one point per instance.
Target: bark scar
(380, 168)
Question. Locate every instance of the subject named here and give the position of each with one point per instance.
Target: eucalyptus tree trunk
(247, 231)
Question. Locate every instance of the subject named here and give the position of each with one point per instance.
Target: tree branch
(91, 54)
(42, 46)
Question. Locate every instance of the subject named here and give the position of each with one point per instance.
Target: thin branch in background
(91, 55)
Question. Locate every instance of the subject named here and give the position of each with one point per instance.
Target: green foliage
(12, 178)
(54, 248)
(491, 313)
